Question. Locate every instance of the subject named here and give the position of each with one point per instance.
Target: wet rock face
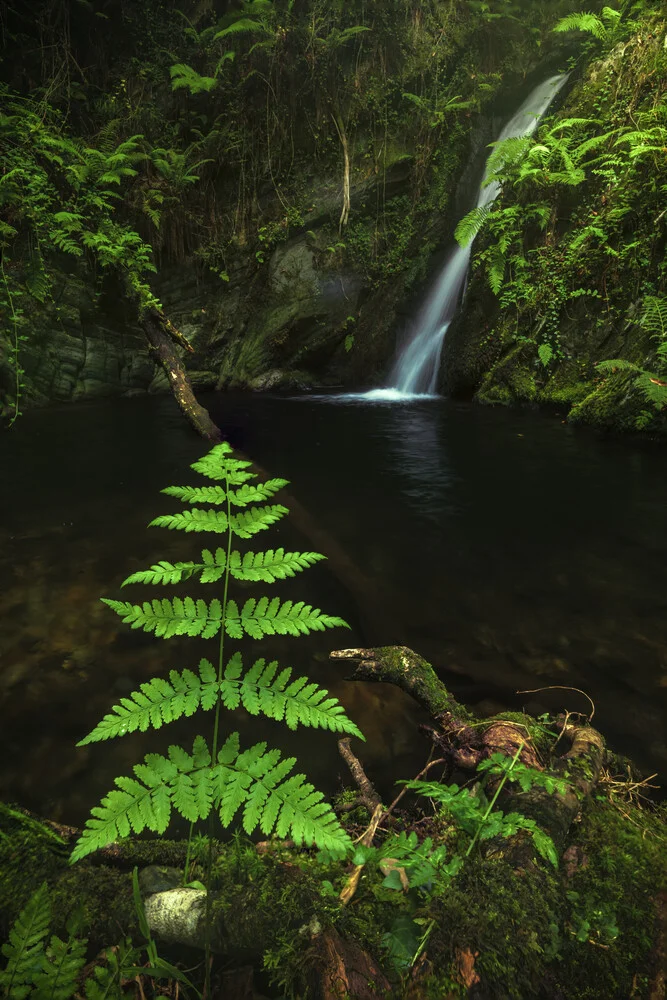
(77, 349)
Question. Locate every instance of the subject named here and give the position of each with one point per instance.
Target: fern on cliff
(223, 779)
(604, 28)
(652, 385)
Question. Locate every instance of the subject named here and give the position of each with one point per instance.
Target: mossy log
(163, 337)
(508, 926)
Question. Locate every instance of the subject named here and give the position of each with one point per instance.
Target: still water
(511, 551)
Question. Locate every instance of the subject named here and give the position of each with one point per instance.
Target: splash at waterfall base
(509, 925)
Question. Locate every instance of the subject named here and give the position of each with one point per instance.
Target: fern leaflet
(61, 967)
(247, 523)
(176, 617)
(158, 702)
(216, 494)
(193, 520)
(265, 567)
(263, 617)
(298, 702)
(255, 780)
(470, 224)
(25, 947)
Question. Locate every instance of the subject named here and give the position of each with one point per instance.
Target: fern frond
(244, 25)
(166, 572)
(185, 76)
(284, 806)
(254, 494)
(197, 494)
(247, 523)
(583, 21)
(654, 315)
(617, 364)
(193, 520)
(61, 967)
(653, 388)
(255, 780)
(470, 224)
(131, 807)
(216, 494)
(496, 272)
(25, 947)
(158, 702)
(506, 152)
(167, 618)
(261, 692)
(263, 617)
(265, 567)
(217, 465)
(272, 565)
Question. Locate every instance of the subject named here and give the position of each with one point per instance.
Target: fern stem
(214, 748)
(489, 808)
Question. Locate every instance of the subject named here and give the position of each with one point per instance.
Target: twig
(369, 796)
(562, 687)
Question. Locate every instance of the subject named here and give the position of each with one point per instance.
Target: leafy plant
(605, 27)
(217, 776)
(652, 385)
(476, 815)
(44, 968)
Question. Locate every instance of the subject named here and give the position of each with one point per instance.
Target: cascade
(415, 371)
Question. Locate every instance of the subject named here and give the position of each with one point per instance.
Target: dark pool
(509, 549)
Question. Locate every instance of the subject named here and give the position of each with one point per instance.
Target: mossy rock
(511, 379)
(616, 404)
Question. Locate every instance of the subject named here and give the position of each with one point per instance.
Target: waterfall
(415, 371)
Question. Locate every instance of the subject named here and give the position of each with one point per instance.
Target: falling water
(415, 371)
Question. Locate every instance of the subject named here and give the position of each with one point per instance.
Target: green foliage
(25, 949)
(261, 690)
(61, 194)
(266, 566)
(652, 385)
(605, 27)
(477, 817)
(221, 779)
(35, 968)
(183, 76)
(44, 968)
(545, 353)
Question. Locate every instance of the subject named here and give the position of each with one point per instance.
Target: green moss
(511, 379)
(509, 919)
(622, 866)
(616, 404)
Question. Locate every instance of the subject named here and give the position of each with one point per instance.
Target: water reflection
(518, 552)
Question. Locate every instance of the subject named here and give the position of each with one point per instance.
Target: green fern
(583, 21)
(256, 780)
(183, 76)
(470, 224)
(259, 691)
(654, 316)
(223, 780)
(61, 968)
(266, 567)
(604, 28)
(25, 949)
(51, 970)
